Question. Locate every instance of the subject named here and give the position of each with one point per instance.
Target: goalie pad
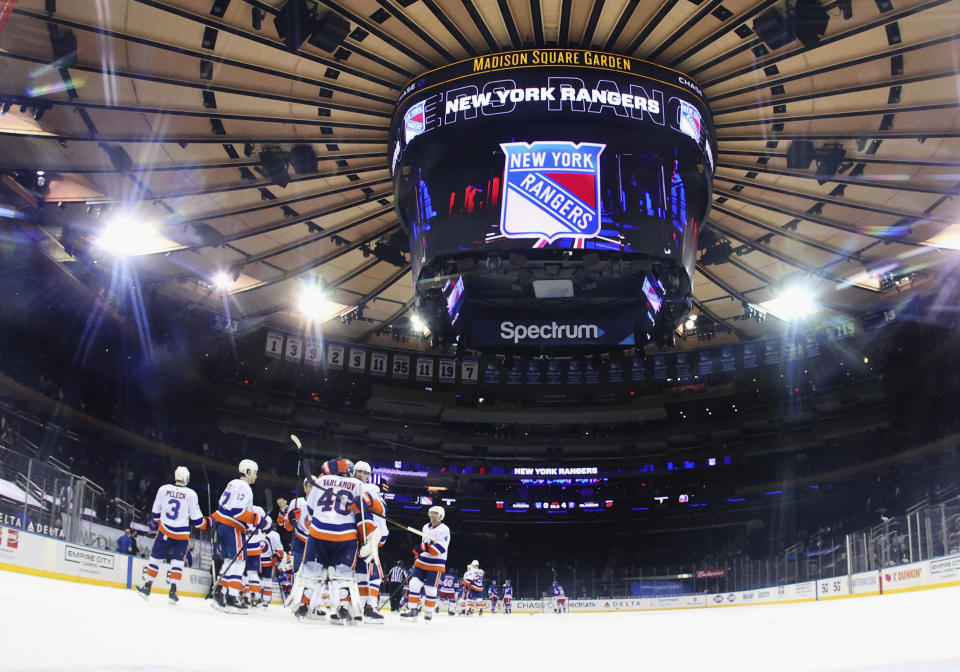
(371, 545)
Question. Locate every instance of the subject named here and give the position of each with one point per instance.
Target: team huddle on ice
(332, 569)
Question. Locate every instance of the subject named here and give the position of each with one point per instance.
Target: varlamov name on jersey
(519, 332)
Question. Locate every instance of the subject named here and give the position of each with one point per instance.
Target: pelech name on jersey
(175, 494)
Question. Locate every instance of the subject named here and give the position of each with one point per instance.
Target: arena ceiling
(164, 114)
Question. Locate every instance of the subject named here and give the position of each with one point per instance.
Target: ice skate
(410, 615)
(371, 615)
(172, 595)
(144, 590)
(302, 611)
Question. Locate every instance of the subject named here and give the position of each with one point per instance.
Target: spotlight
(796, 302)
(221, 281)
(828, 161)
(303, 159)
(274, 162)
(329, 32)
(312, 302)
(123, 235)
(417, 325)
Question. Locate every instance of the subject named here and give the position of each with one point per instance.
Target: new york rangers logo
(414, 121)
(551, 190)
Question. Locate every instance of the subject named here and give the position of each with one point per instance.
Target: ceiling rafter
(375, 30)
(316, 263)
(665, 8)
(353, 186)
(700, 14)
(779, 256)
(413, 27)
(723, 30)
(786, 233)
(450, 27)
(223, 116)
(823, 198)
(876, 182)
(814, 95)
(849, 158)
(286, 223)
(278, 45)
(249, 163)
(835, 67)
(759, 64)
(480, 25)
(322, 234)
(511, 25)
(210, 86)
(203, 55)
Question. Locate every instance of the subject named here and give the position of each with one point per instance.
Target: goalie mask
(339, 467)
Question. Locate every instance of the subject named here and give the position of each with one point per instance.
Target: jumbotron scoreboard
(552, 198)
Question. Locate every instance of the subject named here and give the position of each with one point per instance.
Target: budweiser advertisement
(710, 573)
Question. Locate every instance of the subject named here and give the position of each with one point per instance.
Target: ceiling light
(124, 235)
(221, 280)
(312, 302)
(792, 303)
(417, 325)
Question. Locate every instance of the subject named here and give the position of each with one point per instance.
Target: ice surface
(54, 625)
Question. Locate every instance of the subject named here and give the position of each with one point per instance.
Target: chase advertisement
(558, 148)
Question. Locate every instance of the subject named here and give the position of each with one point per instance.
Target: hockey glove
(263, 523)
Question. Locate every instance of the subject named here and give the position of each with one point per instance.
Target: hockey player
(234, 512)
(293, 519)
(369, 570)
(270, 558)
(331, 550)
(252, 556)
(507, 597)
(473, 588)
(175, 510)
(493, 596)
(448, 594)
(559, 599)
(431, 561)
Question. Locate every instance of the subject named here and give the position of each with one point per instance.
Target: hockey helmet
(475, 563)
(246, 466)
(437, 510)
(339, 466)
(181, 475)
(361, 466)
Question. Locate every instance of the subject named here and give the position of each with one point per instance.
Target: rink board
(39, 555)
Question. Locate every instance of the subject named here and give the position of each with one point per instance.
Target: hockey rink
(56, 625)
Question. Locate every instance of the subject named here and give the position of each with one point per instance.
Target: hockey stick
(288, 600)
(213, 528)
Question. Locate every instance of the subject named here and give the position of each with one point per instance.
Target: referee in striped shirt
(394, 581)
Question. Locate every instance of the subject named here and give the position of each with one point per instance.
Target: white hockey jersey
(272, 549)
(332, 508)
(296, 518)
(175, 509)
(434, 548)
(374, 499)
(256, 536)
(474, 578)
(235, 507)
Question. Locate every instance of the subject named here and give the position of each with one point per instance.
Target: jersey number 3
(174, 511)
